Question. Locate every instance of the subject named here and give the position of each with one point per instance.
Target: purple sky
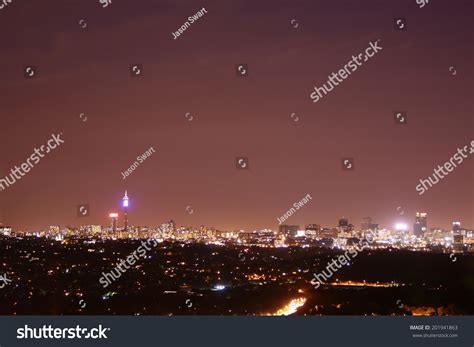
(87, 71)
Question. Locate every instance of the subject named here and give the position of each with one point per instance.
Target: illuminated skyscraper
(172, 225)
(125, 206)
(368, 225)
(420, 226)
(288, 231)
(343, 222)
(114, 217)
(344, 225)
(313, 230)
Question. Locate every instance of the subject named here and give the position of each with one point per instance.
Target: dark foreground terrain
(50, 277)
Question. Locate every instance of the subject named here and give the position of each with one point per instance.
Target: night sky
(87, 70)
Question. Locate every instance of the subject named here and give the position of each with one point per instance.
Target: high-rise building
(289, 230)
(420, 226)
(125, 207)
(329, 233)
(344, 225)
(456, 226)
(343, 222)
(172, 225)
(368, 225)
(313, 230)
(458, 243)
(114, 217)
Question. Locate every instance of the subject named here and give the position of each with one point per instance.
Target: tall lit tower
(125, 206)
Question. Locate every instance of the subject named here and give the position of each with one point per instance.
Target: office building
(420, 226)
(289, 230)
(114, 217)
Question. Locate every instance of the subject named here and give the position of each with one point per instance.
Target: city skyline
(402, 218)
(120, 222)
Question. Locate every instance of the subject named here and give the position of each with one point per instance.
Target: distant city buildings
(420, 226)
(342, 236)
(96, 229)
(345, 228)
(367, 225)
(289, 231)
(313, 230)
(343, 223)
(5, 230)
(435, 239)
(114, 217)
(172, 225)
(54, 229)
